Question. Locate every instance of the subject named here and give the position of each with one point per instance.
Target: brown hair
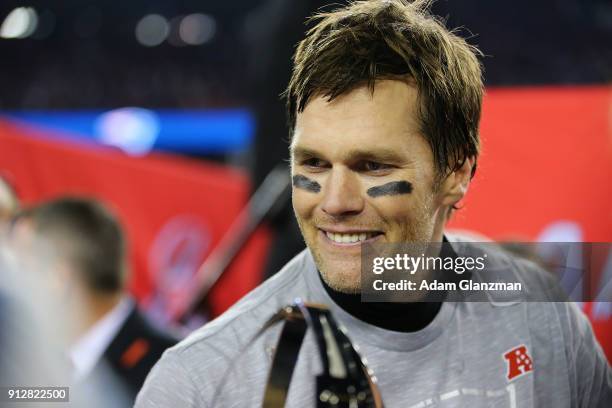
(88, 236)
(373, 40)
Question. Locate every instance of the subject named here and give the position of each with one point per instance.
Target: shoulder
(261, 303)
(559, 327)
(500, 265)
(139, 343)
(196, 365)
(540, 294)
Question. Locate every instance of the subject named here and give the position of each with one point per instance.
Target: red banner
(546, 164)
(174, 210)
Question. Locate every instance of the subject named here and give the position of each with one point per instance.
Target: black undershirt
(400, 317)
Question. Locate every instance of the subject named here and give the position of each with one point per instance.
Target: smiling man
(375, 177)
(384, 104)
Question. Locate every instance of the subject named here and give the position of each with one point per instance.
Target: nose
(342, 193)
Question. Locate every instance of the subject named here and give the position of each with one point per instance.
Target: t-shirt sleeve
(169, 384)
(590, 372)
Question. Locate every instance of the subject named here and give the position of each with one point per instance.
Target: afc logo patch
(519, 362)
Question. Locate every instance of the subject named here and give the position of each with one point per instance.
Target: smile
(350, 237)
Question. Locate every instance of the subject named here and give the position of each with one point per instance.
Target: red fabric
(151, 195)
(546, 156)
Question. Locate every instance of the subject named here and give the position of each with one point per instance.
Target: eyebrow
(380, 154)
(302, 152)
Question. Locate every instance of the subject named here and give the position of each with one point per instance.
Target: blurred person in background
(80, 247)
(31, 333)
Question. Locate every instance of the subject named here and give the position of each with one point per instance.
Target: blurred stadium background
(169, 111)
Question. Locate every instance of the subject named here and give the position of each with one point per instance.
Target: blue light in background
(137, 130)
(133, 130)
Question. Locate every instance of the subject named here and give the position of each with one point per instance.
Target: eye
(374, 167)
(315, 163)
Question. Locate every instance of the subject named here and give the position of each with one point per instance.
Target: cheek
(396, 208)
(304, 203)
(401, 209)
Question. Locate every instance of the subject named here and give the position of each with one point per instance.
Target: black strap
(283, 364)
(345, 381)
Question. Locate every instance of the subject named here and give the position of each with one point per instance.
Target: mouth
(351, 237)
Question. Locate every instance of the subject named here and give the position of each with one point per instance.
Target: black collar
(400, 317)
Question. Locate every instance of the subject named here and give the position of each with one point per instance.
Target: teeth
(349, 238)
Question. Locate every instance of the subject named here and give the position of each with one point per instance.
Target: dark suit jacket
(129, 358)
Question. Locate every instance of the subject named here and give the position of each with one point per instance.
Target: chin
(344, 280)
(348, 290)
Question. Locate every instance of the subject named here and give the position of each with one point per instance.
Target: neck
(90, 308)
(395, 316)
(440, 223)
(401, 317)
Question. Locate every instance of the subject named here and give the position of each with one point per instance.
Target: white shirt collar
(89, 348)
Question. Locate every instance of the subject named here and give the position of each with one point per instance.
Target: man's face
(39, 259)
(364, 173)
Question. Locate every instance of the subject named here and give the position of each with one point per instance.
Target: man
(78, 248)
(384, 105)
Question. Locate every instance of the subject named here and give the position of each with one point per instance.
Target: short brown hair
(374, 40)
(88, 236)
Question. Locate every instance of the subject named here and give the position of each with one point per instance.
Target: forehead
(361, 121)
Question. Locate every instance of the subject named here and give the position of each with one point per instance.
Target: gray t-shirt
(504, 353)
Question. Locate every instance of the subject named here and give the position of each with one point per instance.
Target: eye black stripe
(305, 183)
(392, 188)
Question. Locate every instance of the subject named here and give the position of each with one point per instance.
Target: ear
(456, 184)
(61, 277)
